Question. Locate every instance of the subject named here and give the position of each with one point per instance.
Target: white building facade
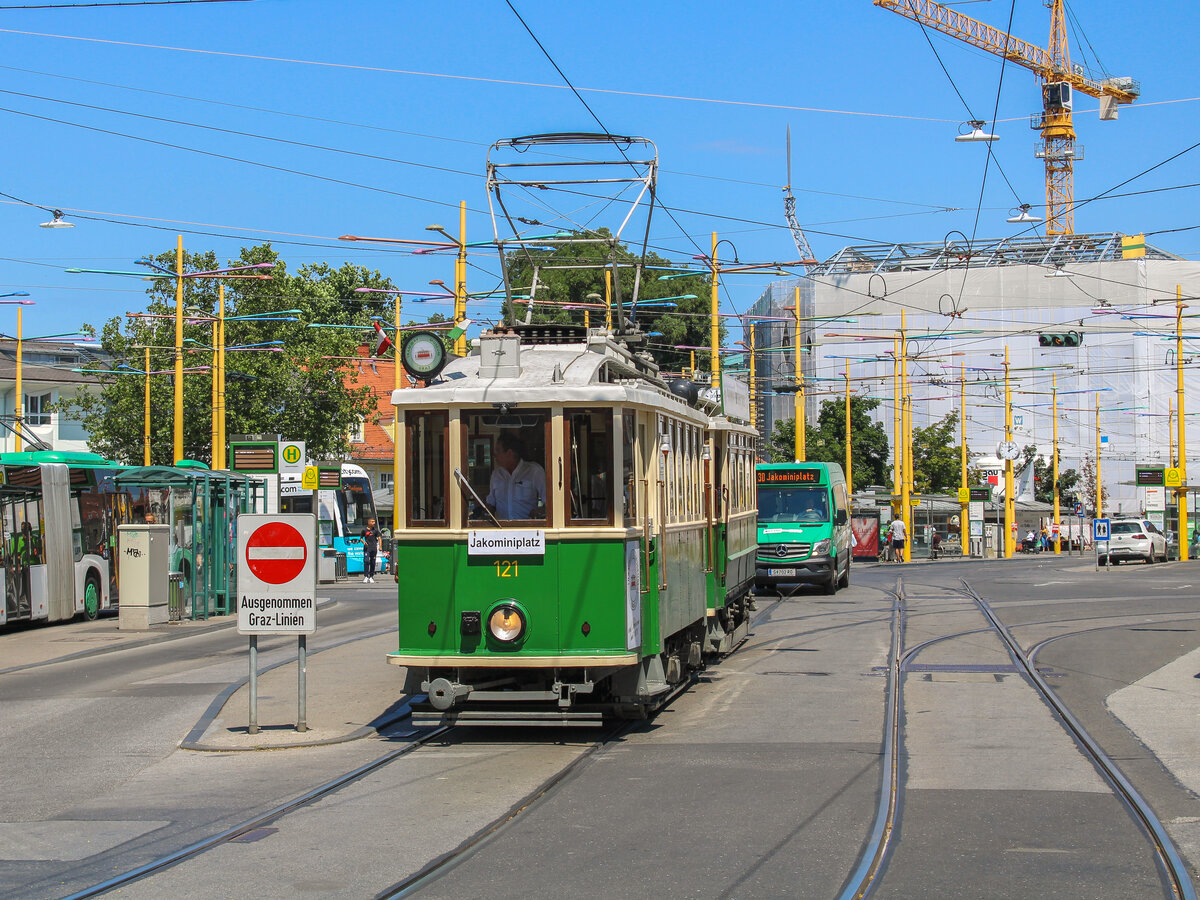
(963, 305)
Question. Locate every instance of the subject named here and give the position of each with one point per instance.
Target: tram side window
(590, 448)
(506, 455)
(629, 471)
(428, 467)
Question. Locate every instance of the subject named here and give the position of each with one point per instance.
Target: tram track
(880, 845)
(431, 870)
(1169, 860)
(254, 822)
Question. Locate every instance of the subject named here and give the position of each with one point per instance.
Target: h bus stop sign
(277, 574)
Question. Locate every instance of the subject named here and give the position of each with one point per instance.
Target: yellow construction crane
(1060, 80)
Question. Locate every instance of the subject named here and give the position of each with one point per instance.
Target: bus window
(506, 457)
(354, 503)
(590, 450)
(428, 468)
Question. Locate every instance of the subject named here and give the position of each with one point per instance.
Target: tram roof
(596, 371)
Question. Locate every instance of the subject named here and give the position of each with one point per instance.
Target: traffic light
(1061, 339)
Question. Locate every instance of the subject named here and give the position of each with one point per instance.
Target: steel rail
(447, 862)
(258, 821)
(1168, 856)
(444, 864)
(876, 849)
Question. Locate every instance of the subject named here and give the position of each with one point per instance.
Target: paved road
(761, 781)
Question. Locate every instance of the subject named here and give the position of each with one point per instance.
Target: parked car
(1132, 539)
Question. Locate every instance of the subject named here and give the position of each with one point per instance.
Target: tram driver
(518, 485)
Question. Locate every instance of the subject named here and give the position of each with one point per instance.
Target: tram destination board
(1150, 477)
(789, 476)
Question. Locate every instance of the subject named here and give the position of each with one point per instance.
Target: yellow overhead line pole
(1054, 473)
(715, 326)
(1010, 508)
(801, 425)
(906, 467)
(849, 457)
(177, 452)
(897, 437)
(964, 505)
(1181, 491)
(19, 400)
(1099, 487)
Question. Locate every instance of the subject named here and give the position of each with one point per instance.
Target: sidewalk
(352, 690)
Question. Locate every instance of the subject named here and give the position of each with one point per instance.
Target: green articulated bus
(803, 527)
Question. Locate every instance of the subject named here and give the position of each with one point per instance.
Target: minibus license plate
(780, 573)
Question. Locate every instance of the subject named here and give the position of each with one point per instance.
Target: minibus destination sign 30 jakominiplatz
(789, 476)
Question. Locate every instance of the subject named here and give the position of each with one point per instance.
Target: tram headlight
(506, 624)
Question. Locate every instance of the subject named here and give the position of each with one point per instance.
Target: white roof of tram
(596, 371)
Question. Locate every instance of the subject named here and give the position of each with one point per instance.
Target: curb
(192, 740)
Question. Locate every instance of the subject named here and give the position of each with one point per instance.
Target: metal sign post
(1100, 532)
(277, 580)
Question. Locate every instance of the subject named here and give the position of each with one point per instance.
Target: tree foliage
(297, 389)
(937, 457)
(826, 440)
(687, 324)
(1086, 492)
(1043, 479)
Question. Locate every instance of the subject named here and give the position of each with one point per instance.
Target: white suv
(1132, 539)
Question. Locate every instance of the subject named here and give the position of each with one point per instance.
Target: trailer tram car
(618, 578)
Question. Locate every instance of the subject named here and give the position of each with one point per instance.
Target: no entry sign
(276, 553)
(277, 574)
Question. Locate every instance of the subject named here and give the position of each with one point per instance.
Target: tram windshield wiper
(465, 485)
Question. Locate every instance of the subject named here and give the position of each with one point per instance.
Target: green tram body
(648, 527)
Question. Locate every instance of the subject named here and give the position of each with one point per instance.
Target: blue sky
(871, 110)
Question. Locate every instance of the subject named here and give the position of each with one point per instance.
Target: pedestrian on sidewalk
(897, 534)
(370, 538)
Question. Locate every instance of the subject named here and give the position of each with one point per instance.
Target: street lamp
(57, 221)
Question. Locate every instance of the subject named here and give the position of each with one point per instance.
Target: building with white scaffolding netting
(962, 304)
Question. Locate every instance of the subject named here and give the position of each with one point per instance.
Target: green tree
(1086, 491)
(1043, 479)
(688, 323)
(299, 389)
(826, 440)
(937, 457)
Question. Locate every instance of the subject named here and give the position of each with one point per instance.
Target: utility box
(145, 552)
(327, 566)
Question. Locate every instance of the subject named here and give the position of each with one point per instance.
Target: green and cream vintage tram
(577, 533)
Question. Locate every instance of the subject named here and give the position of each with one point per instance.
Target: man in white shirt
(897, 533)
(518, 486)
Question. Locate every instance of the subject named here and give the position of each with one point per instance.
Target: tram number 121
(506, 568)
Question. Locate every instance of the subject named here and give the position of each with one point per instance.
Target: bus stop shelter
(204, 508)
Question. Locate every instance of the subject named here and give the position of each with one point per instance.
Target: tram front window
(506, 465)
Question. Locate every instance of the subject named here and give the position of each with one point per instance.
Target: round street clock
(1008, 450)
(423, 355)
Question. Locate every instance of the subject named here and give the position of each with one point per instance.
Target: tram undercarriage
(575, 696)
